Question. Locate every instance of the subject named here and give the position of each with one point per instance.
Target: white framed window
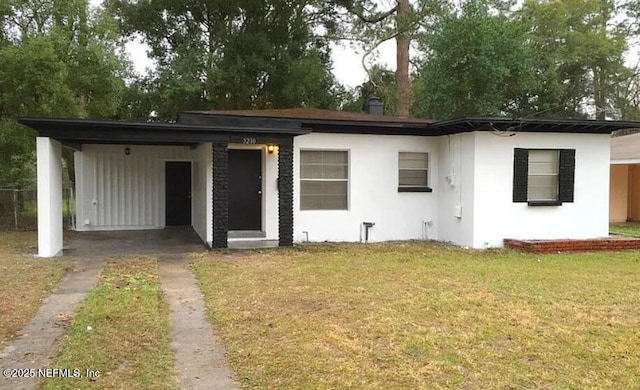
(413, 172)
(324, 179)
(543, 175)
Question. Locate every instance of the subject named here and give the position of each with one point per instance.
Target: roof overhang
(73, 132)
(320, 124)
(502, 124)
(195, 128)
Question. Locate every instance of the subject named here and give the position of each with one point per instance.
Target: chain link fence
(19, 209)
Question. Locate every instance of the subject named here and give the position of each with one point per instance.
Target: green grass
(24, 281)
(128, 342)
(629, 229)
(419, 315)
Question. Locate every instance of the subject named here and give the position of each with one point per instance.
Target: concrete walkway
(37, 345)
(200, 361)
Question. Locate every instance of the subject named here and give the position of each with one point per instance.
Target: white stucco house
(297, 175)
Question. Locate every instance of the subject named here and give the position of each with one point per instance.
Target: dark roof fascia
(106, 131)
(351, 127)
(587, 126)
(445, 127)
(316, 125)
(201, 119)
(35, 121)
(209, 128)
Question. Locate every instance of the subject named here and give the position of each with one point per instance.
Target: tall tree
(56, 59)
(626, 96)
(233, 55)
(579, 48)
(33, 77)
(476, 64)
(401, 21)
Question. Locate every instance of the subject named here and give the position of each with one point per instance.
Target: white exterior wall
(202, 202)
(49, 154)
(373, 190)
(119, 192)
(471, 175)
(270, 217)
(496, 216)
(456, 188)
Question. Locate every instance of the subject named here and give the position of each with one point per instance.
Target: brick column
(285, 192)
(220, 194)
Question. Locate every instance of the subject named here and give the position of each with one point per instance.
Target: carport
(125, 184)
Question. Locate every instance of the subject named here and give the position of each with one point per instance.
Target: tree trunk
(402, 59)
(599, 95)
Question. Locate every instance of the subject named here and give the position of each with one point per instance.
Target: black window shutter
(520, 174)
(567, 174)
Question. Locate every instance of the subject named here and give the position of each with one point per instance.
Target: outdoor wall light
(127, 151)
(271, 149)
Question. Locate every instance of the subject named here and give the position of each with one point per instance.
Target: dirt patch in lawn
(25, 280)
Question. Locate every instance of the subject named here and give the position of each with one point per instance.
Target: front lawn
(24, 281)
(420, 315)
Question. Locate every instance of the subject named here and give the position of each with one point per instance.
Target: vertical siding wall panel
(117, 188)
(128, 204)
(128, 190)
(134, 194)
(147, 189)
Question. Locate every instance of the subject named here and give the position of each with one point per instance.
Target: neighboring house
(625, 179)
(297, 175)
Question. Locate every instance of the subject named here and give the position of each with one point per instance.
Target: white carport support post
(49, 153)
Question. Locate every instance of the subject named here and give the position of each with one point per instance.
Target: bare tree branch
(370, 18)
(372, 48)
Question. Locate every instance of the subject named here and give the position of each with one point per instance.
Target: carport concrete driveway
(131, 242)
(200, 362)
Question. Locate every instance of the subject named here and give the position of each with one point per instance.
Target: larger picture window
(543, 176)
(324, 179)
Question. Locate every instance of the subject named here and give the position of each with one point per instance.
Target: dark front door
(245, 189)
(178, 193)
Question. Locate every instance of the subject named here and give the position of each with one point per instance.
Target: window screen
(413, 169)
(542, 183)
(324, 180)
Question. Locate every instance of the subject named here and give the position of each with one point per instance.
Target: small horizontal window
(413, 172)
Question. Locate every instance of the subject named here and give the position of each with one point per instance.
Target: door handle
(259, 192)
